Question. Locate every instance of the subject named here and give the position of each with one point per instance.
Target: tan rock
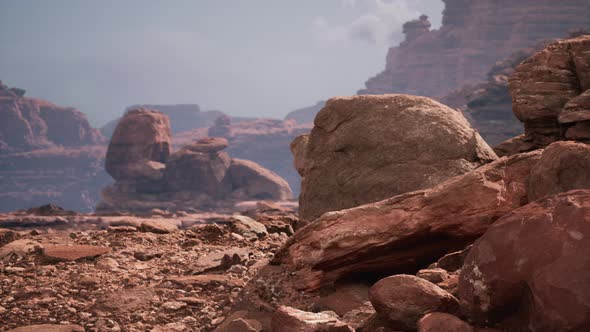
(363, 149)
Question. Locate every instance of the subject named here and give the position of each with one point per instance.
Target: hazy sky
(259, 58)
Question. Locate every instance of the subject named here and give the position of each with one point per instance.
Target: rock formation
(48, 154)
(551, 93)
(348, 164)
(264, 141)
(531, 267)
(199, 175)
(474, 35)
(407, 231)
(27, 124)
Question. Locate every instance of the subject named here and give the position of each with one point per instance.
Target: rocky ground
(131, 273)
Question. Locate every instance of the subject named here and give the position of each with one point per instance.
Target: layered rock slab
(408, 231)
(531, 268)
(364, 149)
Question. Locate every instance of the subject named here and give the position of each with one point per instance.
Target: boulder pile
(150, 175)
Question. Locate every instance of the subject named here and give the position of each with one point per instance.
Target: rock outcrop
(531, 267)
(406, 232)
(199, 175)
(48, 154)
(474, 35)
(413, 143)
(551, 93)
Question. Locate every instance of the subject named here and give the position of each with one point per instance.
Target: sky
(258, 58)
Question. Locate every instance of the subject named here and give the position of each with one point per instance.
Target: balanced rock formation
(551, 94)
(199, 175)
(364, 149)
(48, 154)
(407, 232)
(531, 268)
(474, 35)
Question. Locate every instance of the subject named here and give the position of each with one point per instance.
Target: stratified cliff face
(474, 35)
(48, 154)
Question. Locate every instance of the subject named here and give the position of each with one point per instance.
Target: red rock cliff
(474, 35)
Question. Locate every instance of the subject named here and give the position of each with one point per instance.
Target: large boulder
(141, 136)
(404, 299)
(532, 267)
(408, 231)
(563, 166)
(364, 149)
(251, 181)
(550, 92)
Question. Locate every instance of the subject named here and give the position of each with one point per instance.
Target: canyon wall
(48, 154)
(474, 35)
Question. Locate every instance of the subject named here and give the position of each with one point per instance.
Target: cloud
(380, 23)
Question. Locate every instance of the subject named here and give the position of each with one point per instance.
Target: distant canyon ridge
(51, 154)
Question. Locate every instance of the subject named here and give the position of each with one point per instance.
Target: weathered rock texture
(364, 149)
(564, 166)
(531, 268)
(199, 175)
(407, 232)
(551, 95)
(404, 299)
(48, 154)
(474, 35)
